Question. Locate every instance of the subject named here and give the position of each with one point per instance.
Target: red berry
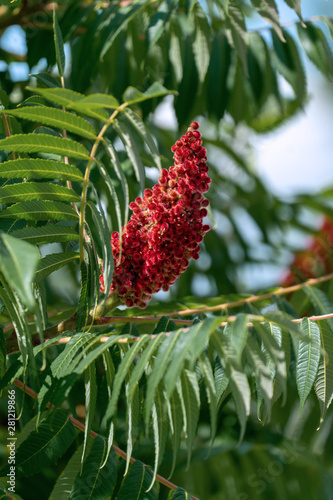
(165, 227)
(194, 125)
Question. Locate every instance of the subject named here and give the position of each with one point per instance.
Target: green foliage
(174, 393)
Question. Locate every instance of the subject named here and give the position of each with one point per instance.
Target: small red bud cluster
(314, 261)
(165, 228)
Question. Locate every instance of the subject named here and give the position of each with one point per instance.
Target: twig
(8, 134)
(252, 298)
(96, 321)
(82, 427)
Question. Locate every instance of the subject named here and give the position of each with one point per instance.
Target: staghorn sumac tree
(109, 385)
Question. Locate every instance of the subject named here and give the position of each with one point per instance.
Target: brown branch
(79, 425)
(26, 11)
(252, 298)
(96, 321)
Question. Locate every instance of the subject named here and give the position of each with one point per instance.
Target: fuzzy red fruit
(165, 227)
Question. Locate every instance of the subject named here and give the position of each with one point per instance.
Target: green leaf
(44, 143)
(165, 324)
(159, 21)
(268, 11)
(95, 101)
(316, 47)
(18, 263)
(105, 238)
(324, 380)
(175, 49)
(52, 262)
(136, 484)
(307, 359)
(144, 359)
(296, 6)
(320, 301)
(62, 97)
(201, 42)
(2, 355)
(65, 481)
(132, 422)
(175, 414)
(95, 481)
(113, 193)
(218, 70)
(27, 191)
(122, 371)
(46, 79)
(132, 151)
(120, 174)
(191, 396)
(236, 32)
(95, 353)
(239, 384)
(54, 117)
(43, 447)
(190, 342)
(160, 364)
(48, 169)
(59, 44)
(208, 376)
(239, 335)
(268, 334)
(50, 233)
(84, 304)
(40, 210)
(160, 430)
(118, 23)
(63, 364)
(134, 96)
(263, 375)
(288, 62)
(180, 493)
(142, 130)
(90, 385)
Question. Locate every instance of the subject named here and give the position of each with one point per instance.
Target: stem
(252, 298)
(6, 124)
(87, 174)
(96, 320)
(82, 427)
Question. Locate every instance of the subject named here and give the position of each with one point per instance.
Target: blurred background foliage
(238, 82)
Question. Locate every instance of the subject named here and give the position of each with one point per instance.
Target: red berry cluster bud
(165, 228)
(316, 260)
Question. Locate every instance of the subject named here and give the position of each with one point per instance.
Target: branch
(26, 11)
(252, 298)
(96, 321)
(81, 427)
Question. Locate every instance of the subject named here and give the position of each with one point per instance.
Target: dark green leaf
(27, 191)
(48, 169)
(18, 263)
(95, 481)
(324, 380)
(40, 210)
(59, 45)
(316, 47)
(136, 483)
(288, 62)
(50, 233)
(43, 447)
(307, 359)
(133, 95)
(54, 117)
(268, 11)
(52, 262)
(44, 143)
